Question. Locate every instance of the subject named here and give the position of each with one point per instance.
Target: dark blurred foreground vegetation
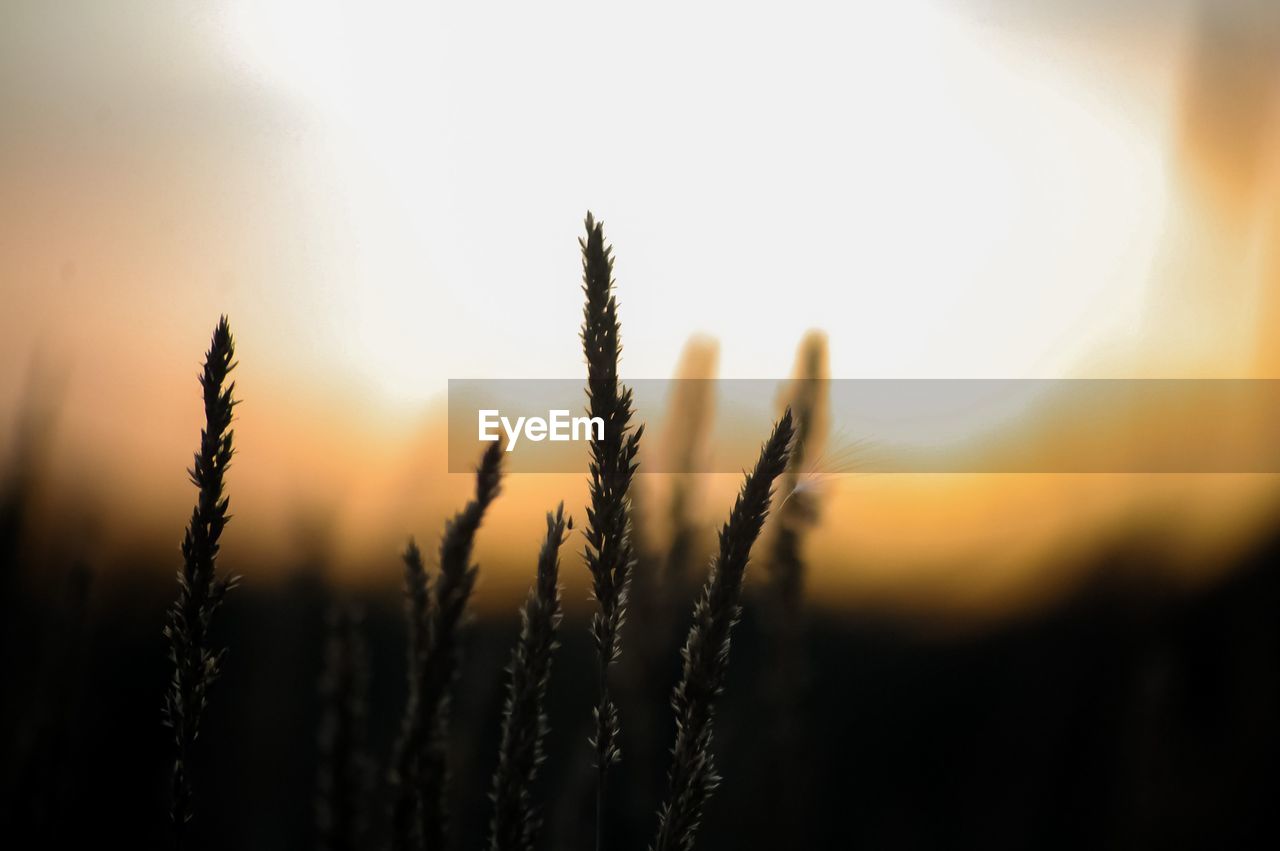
(1128, 715)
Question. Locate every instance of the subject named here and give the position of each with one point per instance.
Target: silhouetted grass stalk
(692, 777)
(515, 822)
(343, 787)
(608, 551)
(798, 510)
(419, 770)
(406, 754)
(196, 665)
(797, 513)
(690, 415)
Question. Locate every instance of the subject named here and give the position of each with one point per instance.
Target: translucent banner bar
(889, 426)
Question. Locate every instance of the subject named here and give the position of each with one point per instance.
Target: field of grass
(686, 711)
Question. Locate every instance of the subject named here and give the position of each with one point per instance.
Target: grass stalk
(692, 777)
(796, 514)
(609, 555)
(409, 745)
(516, 823)
(419, 769)
(196, 664)
(343, 787)
(690, 414)
(798, 511)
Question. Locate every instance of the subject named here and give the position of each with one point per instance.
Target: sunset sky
(383, 196)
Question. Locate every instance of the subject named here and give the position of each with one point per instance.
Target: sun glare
(948, 224)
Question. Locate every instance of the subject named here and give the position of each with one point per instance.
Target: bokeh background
(384, 196)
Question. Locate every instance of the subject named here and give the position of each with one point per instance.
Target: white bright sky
(944, 196)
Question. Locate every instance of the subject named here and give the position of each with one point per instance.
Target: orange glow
(129, 224)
